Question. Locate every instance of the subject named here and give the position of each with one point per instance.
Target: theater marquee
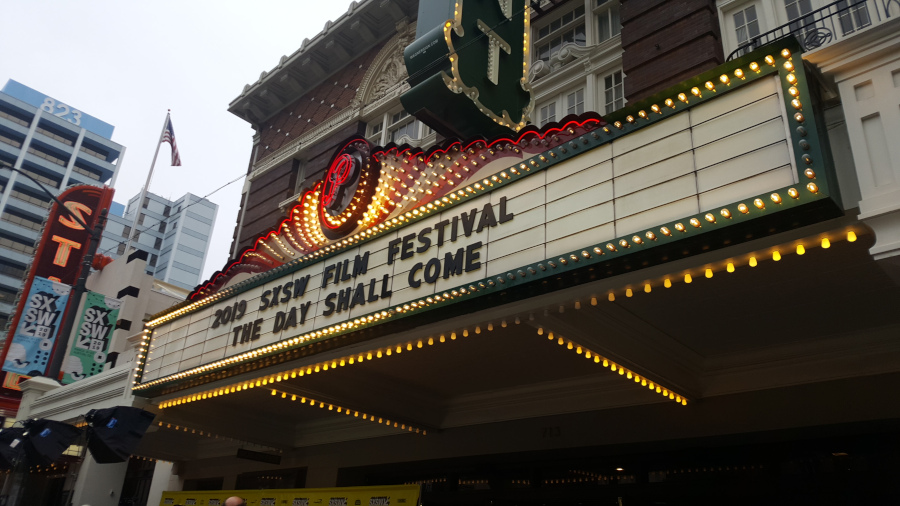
(392, 235)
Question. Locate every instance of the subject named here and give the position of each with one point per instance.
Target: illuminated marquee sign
(63, 245)
(464, 223)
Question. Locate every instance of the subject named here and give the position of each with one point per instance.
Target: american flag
(169, 136)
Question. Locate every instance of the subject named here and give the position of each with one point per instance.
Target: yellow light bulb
(826, 243)
(688, 279)
(667, 283)
(628, 292)
(709, 273)
(612, 297)
(753, 262)
(851, 236)
(730, 267)
(647, 288)
(776, 255)
(800, 249)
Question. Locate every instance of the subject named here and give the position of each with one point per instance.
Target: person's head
(235, 501)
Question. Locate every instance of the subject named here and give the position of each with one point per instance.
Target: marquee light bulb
(826, 243)
(851, 236)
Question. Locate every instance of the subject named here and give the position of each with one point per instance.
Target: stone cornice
(337, 44)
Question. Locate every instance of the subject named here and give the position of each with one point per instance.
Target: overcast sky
(127, 62)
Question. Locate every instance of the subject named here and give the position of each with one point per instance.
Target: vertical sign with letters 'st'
(63, 245)
(469, 75)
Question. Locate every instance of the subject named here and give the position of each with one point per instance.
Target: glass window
(158, 243)
(569, 28)
(575, 102)
(162, 226)
(746, 27)
(797, 11)
(126, 231)
(548, 113)
(608, 24)
(403, 124)
(121, 249)
(854, 18)
(614, 92)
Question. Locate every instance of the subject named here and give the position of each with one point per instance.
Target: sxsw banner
(32, 342)
(91, 343)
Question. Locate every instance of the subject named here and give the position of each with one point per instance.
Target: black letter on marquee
(453, 266)
(432, 270)
(472, 262)
(413, 282)
(385, 293)
(393, 249)
(487, 218)
(468, 221)
(264, 300)
(424, 239)
(343, 301)
(329, 271)
(257, 328)
(359, 295)
(279, 321)
(360, 264)
(504, 216)
(372, 296)
(440, 226)
(329, 304)
(300, 286)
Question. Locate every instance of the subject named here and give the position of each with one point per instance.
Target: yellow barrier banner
(387, 495)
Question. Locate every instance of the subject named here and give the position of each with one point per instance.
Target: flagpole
(140, 202)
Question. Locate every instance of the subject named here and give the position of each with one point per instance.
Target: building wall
(667, 42)
(58, 154)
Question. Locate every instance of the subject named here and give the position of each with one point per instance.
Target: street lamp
(79, 288)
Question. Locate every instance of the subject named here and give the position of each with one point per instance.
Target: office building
(174, 233)
(58, 146)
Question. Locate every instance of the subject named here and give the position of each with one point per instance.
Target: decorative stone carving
(568, 53)
(392, 73)
(387, 70)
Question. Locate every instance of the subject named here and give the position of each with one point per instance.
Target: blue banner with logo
(31, 345)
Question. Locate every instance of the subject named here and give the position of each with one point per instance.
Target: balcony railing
(825, 26)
